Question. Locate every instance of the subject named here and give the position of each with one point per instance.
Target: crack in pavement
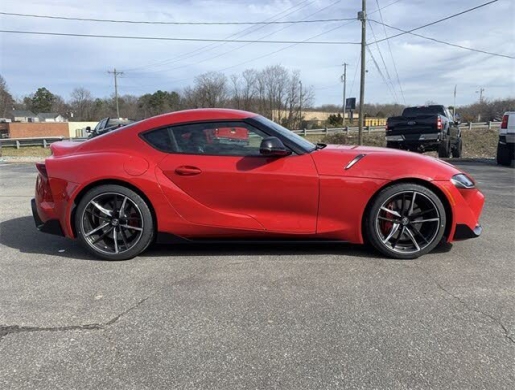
(498, 321)
(6, 330)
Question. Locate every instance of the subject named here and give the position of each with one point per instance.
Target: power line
(239, 34)
(436, 21)
(390, 86)
(391, 54)
(442, 42)
(172, 23)
(174, 39)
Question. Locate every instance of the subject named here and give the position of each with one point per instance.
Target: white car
(506, 145)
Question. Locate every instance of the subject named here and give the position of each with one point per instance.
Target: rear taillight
(504, 124)
(439, 125)
(41, 167)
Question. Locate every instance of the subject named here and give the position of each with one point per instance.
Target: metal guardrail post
(470, 125)
(489, 125)
(17, 144)
(305, 132)
(44, 143)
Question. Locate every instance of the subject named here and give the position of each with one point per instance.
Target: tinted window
(213, 138)
(418, 111)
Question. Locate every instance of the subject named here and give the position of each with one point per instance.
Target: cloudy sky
(426, 70)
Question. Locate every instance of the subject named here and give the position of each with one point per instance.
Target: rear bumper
(51, 226)
(463, 232)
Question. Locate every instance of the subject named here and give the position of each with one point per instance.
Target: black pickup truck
(424, 129)
(106, 125)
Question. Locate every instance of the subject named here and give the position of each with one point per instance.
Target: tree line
(274, 92)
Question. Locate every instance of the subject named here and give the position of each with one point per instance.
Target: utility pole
(362, 15)
(481, 90)
(300, 104)
(116, 74)
(454, 105)
(344, 80)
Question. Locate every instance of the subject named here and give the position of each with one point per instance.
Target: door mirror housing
(88, 129)
(273, 146)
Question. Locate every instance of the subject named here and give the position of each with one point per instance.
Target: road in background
(257, 316)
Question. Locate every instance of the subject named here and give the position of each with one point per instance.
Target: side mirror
(273, 146)
(88, 129)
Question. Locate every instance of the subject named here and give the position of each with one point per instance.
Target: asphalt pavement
(269, 316)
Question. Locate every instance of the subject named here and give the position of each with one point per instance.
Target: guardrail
(372, 129)
(46, 141)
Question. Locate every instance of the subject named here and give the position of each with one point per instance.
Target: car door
(214, 175)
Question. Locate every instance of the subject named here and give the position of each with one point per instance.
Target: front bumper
(51, 226)
(463, 232)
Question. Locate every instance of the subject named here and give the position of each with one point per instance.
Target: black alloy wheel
(114, 222)
(405, 221)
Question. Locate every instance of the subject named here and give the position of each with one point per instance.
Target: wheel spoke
(122, 207)
(412, 203)
(102, 209)
(398, 237)
(97, 229)
(422, 213)
(106, 232)
(394, 230)
(417, 232)
(115, 238)
(426, 220)
(124, 238)
(132, 227)
(393, 212)
(388, 219)
(412, 238)
(403, 204)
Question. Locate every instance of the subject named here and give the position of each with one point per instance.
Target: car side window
(209, 138)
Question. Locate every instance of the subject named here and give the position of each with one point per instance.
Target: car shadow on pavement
(21, 234)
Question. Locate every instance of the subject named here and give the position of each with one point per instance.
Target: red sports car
(175, 176)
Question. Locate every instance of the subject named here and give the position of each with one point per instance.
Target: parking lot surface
(278, 316)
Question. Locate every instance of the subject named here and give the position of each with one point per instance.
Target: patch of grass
(29, 151)
(477, 143)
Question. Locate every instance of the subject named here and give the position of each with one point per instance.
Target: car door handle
(187, 170)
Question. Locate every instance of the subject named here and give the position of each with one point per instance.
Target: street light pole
(344, 80)
(362, 15)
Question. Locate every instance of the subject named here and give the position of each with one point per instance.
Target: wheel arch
(119, 182)
(429, 185)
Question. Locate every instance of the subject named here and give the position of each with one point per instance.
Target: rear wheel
(503, 154)
(114, 222)
(405, 221)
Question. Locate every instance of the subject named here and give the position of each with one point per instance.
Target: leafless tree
(81, 104)
(6, 99)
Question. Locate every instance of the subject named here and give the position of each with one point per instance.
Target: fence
(372, 129)
(45, 141)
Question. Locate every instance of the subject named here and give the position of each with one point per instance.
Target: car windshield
(288, 134)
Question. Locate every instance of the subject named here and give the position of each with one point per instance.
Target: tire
(444, 151)
(405, 221)
(458, 149)
(503, 155)
(114, 223)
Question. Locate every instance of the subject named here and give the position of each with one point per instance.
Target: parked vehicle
(423, 129)
(106, 125)
(165, 177)
(506, 144)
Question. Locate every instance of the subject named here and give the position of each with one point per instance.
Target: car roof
(199, 114)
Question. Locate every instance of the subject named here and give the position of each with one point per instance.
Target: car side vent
(354, 161)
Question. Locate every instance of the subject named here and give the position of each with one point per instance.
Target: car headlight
(463, 181)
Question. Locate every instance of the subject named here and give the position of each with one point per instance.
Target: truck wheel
(503, 154)
(444, 151)
(458, 148)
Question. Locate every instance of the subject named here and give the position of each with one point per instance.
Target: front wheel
(457, 150)
(444, 150)
(114, 223)
(405, 221)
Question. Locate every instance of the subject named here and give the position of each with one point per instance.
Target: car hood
(380, 163)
